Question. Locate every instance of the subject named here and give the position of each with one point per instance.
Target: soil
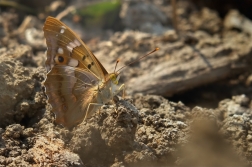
(164, 120)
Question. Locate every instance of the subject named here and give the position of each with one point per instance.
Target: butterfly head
(114, 77)
(115, 88)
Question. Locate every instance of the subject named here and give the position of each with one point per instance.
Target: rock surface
(19, 96)
(190, 60)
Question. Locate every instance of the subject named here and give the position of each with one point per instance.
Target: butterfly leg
(114, 106)
(122, 88)
(99, 112)
(95, 104)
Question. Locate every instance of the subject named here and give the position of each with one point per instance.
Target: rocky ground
(189, 104)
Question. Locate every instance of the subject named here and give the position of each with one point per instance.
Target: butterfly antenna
(156, 49)
(117, 61)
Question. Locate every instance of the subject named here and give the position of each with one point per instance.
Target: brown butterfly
(77, 84)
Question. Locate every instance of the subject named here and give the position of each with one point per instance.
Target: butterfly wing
(73, 73)
(66, 48)
(69, 92)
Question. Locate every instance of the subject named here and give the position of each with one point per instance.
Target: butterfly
(76, 84)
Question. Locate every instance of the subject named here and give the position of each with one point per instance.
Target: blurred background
(205, 46)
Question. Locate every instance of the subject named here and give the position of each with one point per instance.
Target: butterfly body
(77, 84)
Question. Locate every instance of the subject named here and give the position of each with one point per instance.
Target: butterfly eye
(115, 79)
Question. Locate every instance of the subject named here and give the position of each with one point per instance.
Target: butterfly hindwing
(69, 92)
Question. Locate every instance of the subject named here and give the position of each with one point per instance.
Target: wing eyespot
(61, 59)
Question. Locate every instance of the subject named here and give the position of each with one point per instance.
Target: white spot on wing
(60, 51)
(72, 44)
(62, 30)
(77, 42)
(69, 48)
(73, 62)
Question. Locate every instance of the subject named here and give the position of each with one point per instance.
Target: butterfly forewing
(65, 47)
